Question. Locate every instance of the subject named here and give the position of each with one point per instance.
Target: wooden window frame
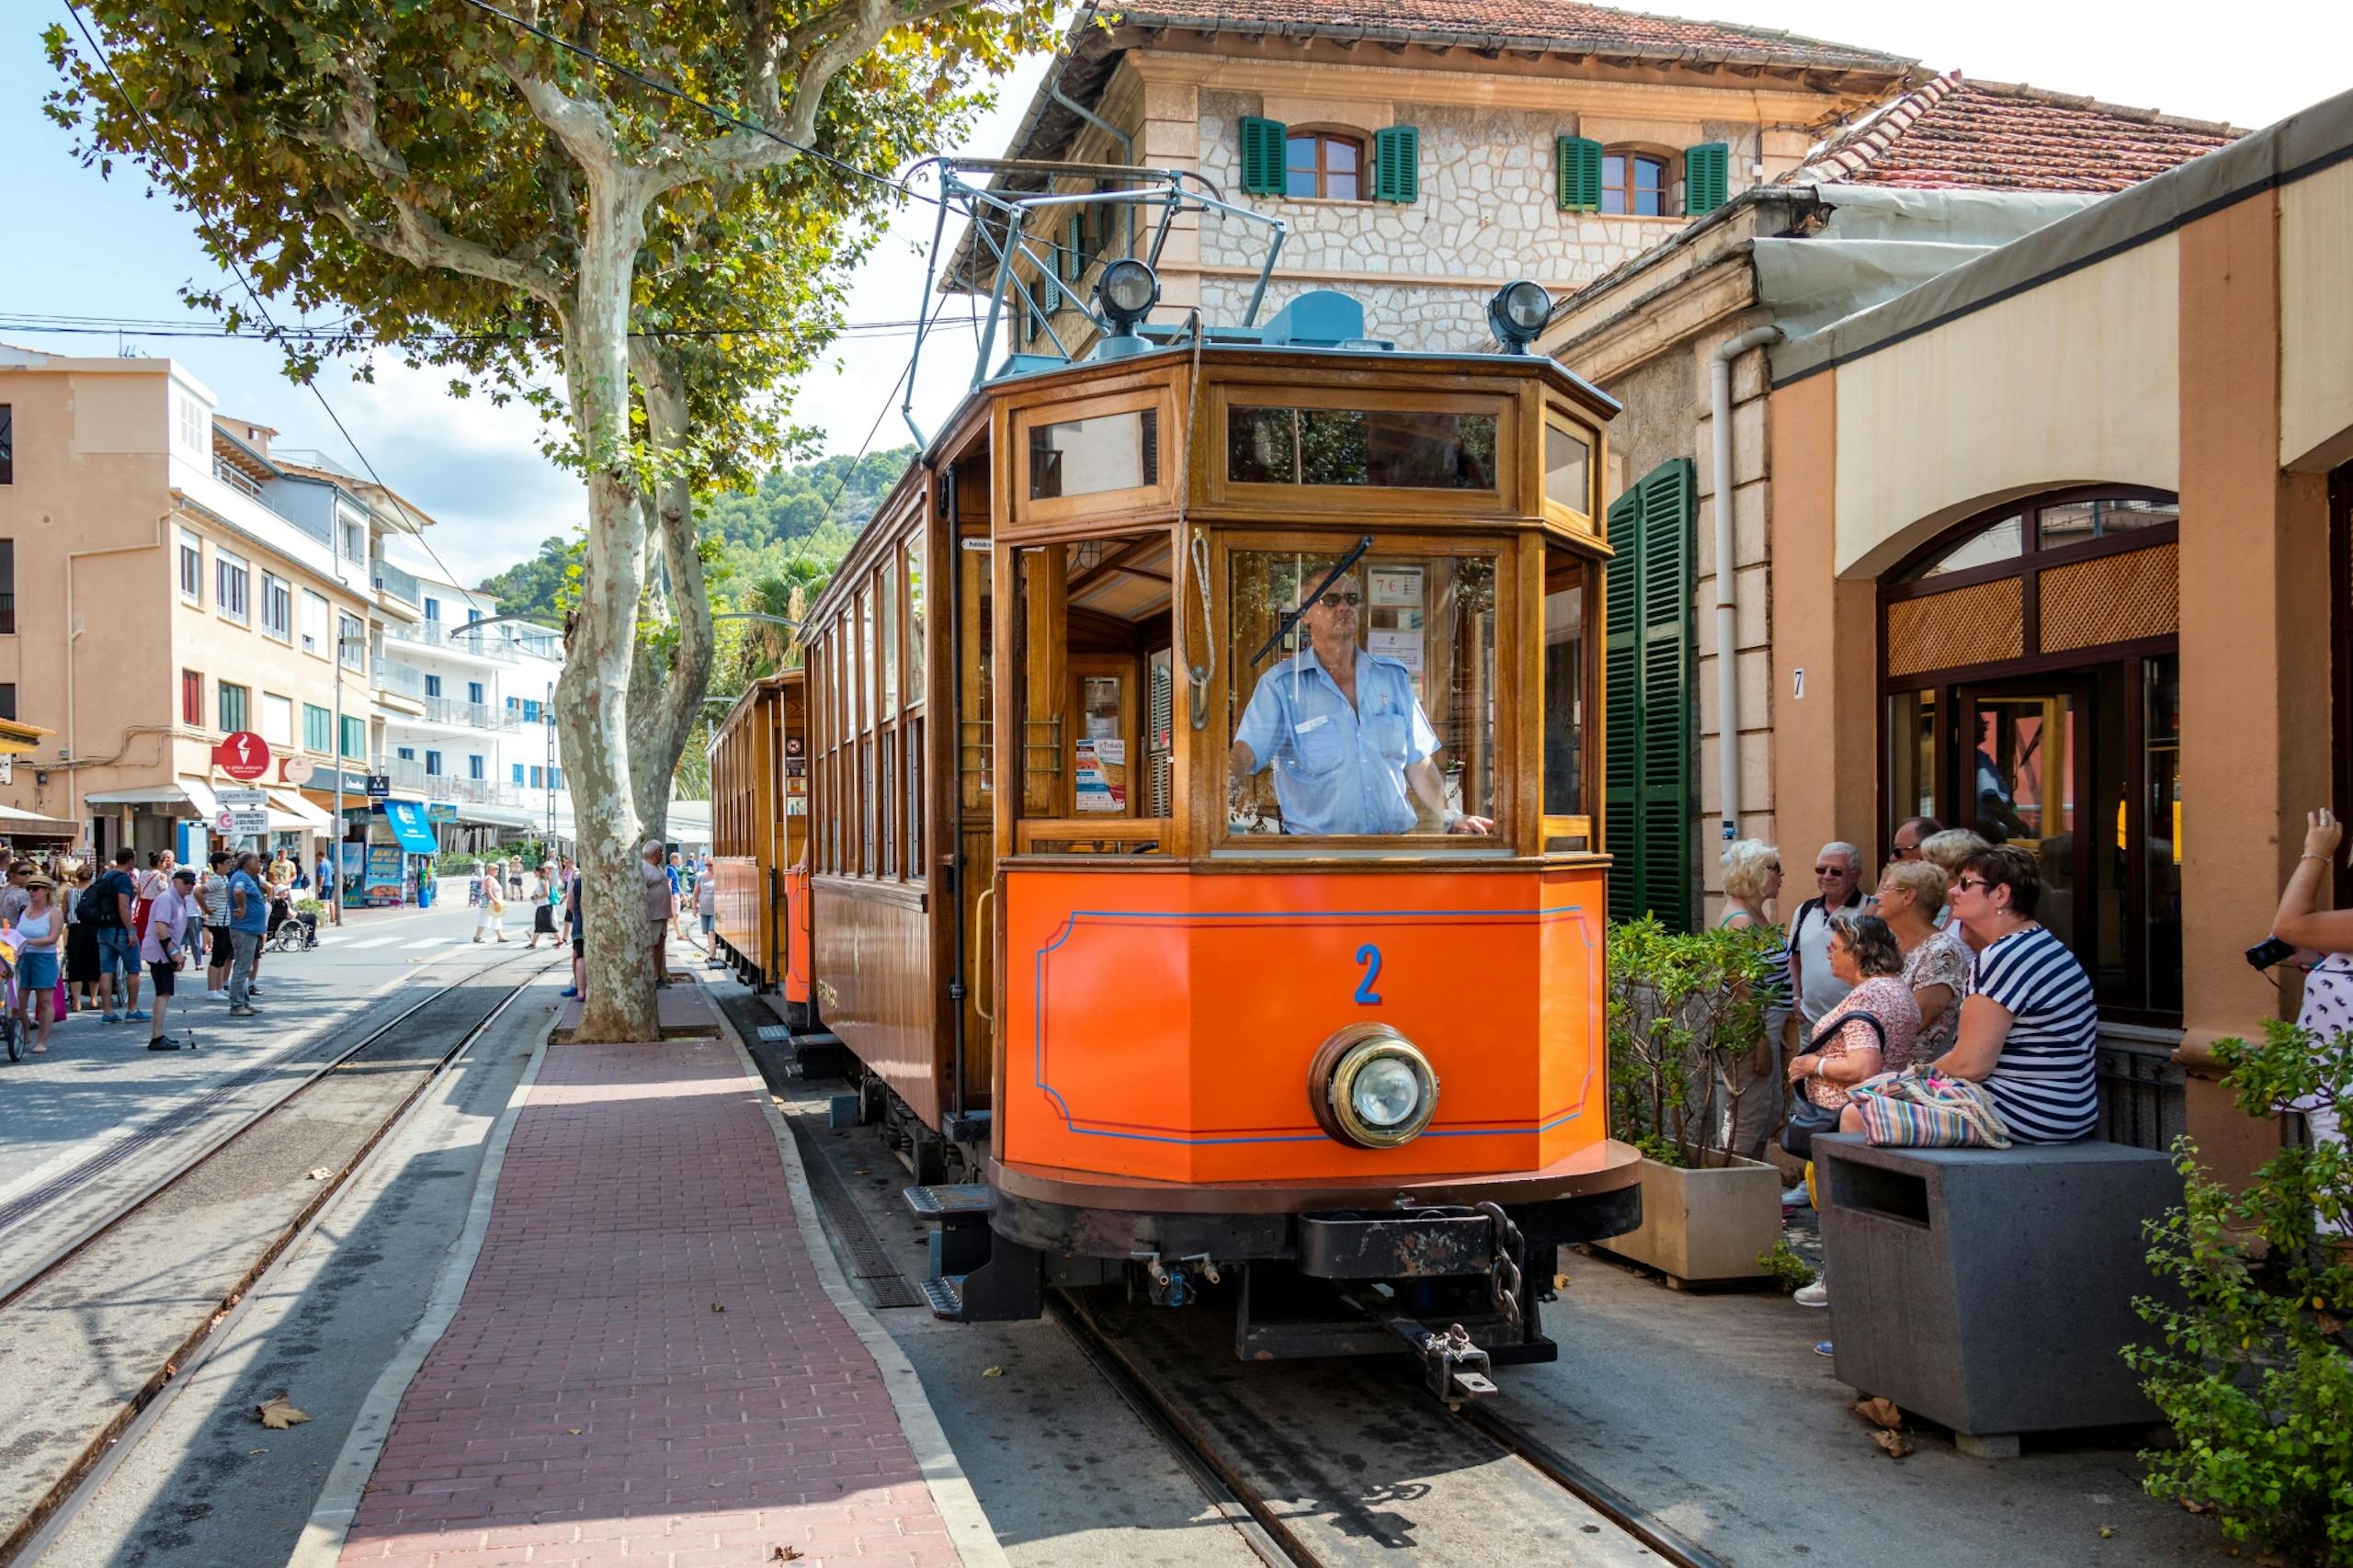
(1093, 503)
(1321, 172)
(1628, 156)
(1275, 500)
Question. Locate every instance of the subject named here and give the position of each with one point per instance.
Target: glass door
(2024, 778)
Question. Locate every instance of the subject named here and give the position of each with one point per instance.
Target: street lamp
(334, 857)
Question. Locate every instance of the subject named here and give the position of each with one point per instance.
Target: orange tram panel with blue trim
(759, 831)
(1203, 876)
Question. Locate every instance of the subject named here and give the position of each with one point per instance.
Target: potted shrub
(2254, 1370)
(1683, 1007)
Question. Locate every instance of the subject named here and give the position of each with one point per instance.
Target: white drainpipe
(1727, 613)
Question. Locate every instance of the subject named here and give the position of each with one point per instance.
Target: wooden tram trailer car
(1167, 1044)
(759, 839)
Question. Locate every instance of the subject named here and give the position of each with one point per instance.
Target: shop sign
(297, 771)
(242, 756)
(379, 786)
(244, 814)
(441, 811)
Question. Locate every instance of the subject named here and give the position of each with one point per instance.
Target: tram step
(947, 1297)
(964, 1203)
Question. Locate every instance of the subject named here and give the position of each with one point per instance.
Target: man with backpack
(107, 908)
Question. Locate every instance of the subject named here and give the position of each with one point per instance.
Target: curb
(322, 1541)
(951, 1493)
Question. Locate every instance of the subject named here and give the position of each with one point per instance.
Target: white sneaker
(1814, 1295)
(1796, 1198)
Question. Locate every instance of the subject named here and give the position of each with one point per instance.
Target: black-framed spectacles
(1336, 599)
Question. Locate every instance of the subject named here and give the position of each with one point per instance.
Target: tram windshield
(1374, 714)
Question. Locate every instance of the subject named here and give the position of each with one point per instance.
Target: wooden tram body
(1091, 975)
(759, 832)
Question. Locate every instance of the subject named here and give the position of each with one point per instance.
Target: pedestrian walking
(707, 906)
(164, 947)
(40, 934)
(514, 875)
(81, 940)
(490, 917)
(575, 925)
(212, 898)
(324, 877)
(658, 901)
(679, 891)
(535, 899)
(248, 918)
(111, 906)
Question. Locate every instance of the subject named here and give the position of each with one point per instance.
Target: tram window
(1412, 749)
(886, 602)
(1397, 448)
(912, 566)
(1565, 672)
(1568, 471)
(1088, 457)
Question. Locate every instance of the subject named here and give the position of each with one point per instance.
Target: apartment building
(167, 577)
(1418, 160)
(470, 720)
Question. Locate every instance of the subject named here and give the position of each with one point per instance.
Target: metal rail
(1243, 1507)
(47, 1520)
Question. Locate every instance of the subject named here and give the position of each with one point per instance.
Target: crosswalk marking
(377, 942)
(431, 942)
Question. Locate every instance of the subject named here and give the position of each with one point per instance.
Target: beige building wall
(2316, 305)
(2075, 381)
(1752, 604)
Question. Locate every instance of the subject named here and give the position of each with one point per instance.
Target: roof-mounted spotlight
(1125, 295)
(1518, 313)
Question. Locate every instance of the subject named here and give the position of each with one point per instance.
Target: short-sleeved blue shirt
(1338, 769)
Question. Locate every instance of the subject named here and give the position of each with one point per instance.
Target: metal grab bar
(980, 926)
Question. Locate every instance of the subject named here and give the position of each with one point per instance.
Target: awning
(410, 829)
(194, 792)
(286, 802)
(32, 824)
(20, 740)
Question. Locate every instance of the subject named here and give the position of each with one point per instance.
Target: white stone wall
(1486, 214)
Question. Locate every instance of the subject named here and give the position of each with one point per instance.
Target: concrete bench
(1991, 1289)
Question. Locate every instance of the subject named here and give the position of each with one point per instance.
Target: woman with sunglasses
(2029, 1030)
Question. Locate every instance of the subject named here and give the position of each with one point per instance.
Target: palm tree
(769, 648)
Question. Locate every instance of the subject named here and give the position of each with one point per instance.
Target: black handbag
(1806, 1118)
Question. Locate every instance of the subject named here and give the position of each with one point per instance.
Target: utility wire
(103, 326)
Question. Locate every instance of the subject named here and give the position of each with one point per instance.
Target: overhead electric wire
(140, 326)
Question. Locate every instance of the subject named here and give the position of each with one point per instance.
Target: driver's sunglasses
(1334, 601)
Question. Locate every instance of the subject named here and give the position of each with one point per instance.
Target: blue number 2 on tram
(1368, 956)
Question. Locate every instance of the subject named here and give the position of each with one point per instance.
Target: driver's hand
(1471, 824)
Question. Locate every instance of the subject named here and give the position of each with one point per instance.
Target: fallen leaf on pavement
(1879, 1413)
(2108, 1532)
(321, 1173)
(278, 1415)
(992, 1371)
(2192, 1505)
(574, 1431)
(784, 1554)
(1894, 1442)
(717, 1308)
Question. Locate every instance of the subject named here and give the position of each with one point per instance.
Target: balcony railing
(436, 635)
(410, 779)
(390, 579)
(474, 715)
(400, 679)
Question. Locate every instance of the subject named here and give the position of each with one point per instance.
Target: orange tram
(1200, 875)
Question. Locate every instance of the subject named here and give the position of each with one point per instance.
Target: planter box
(1705, 1225)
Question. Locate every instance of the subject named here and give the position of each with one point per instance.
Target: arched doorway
(2031, 683)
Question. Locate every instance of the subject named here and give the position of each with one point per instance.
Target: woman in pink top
(1846, 1049)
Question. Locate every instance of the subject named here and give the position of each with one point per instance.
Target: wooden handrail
(1029, 835)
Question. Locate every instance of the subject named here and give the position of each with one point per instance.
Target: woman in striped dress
(2028, 1027)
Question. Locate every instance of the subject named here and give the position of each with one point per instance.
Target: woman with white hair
(1752, 1084)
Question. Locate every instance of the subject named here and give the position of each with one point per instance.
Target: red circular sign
(242, 756)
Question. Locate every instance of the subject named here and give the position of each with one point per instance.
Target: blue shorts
(36, 972)
(118, 951)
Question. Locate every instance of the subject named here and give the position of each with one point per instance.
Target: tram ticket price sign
(244, 814)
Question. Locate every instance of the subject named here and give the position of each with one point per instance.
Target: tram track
(381, 1073)
(1236, 1479)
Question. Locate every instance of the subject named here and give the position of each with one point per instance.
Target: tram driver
(1348, 739)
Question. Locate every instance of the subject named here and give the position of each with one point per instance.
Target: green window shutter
(1396, 165)
(1049, 287)
(1262, 155)
(1650, 698)
(1706, 178)
(1578, 160)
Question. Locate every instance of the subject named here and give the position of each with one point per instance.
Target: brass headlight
(1372, 1088)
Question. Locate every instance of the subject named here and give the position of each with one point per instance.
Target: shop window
(2034, 698)
(1322, 163)
(1403, 448)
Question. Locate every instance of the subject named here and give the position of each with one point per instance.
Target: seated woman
(2030, 1031)
(1935, 962)
(1846, 1049)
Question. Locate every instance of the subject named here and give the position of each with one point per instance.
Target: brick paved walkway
(590, 1405)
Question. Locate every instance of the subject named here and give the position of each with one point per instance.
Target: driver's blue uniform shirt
(1338, 769)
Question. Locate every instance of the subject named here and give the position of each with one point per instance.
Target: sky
(107, 247)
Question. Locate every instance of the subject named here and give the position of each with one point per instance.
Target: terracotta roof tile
(1952, 134)
(1564, 26)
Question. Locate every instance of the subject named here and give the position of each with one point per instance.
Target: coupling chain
(1504, 1277)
